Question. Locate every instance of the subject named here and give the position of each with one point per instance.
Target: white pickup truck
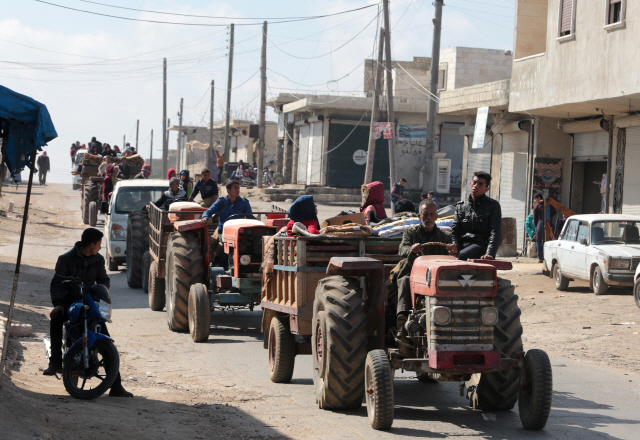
(129, 197)
(603, 249)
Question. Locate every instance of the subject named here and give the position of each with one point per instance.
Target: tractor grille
(466, 330)
(466, 280)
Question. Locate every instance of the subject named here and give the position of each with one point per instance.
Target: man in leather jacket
(476, 228)
(83, 261)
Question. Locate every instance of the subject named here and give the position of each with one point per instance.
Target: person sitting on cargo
(477, 222)
(373, 202)
(102, 168)
(125, 169)
(174, 194)
(206, 187)
(144, 173)
(186, 183)
(304, 211)
(411, 247)
(110, 180)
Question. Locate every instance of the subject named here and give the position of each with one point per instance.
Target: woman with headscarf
(109, 182)
(373, 202)
(126, 152)
(304, 211)
(185, 182)
(171, 172)
(173, 194)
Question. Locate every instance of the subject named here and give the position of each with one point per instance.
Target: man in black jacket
(476, 228)
(83, 261)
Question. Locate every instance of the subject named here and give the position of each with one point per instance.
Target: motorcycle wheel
(87, 384)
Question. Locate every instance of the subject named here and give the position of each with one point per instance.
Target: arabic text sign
(481, 127)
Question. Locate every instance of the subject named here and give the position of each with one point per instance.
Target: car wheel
(600, 287)
(560, 281)
(636, 293)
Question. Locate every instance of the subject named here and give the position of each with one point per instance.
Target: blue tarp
(26, 125)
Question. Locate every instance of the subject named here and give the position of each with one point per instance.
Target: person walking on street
(144, 173)
(477, 222)
(432, 195)
(397, 192)
(220, 164)
(207, 188)
(538, 221)
(73, 150)
(85, 262)
(214, 165)
(43, 167)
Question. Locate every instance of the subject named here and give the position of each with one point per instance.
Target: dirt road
(221, 389)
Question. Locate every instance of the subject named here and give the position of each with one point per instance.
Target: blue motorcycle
(91, 361)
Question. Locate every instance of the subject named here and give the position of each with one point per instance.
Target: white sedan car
(603, 249)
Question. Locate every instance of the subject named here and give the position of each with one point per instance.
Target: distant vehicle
(603, 249)
(76, 180)
(128, 199)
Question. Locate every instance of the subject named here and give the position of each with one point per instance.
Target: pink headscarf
(44, 154)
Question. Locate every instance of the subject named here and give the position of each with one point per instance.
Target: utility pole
(229, 78)
(124, 138)
(263, 103)
(428, 168)
(178, 158)
(165, 140)
(151, 151)
(390, 113)
(210, 149)
(137, 131)
(371, 152)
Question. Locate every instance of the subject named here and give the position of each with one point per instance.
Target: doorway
(585, 186)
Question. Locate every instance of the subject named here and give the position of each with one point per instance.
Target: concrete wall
(531, 28)
(494, 94)
(468, 66)
(597, 64)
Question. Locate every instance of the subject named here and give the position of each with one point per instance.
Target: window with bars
(566, 22)
(615, 11)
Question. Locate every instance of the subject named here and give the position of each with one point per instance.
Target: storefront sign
(547, 177)
(481, 127)
(360, 157)
(412, 132)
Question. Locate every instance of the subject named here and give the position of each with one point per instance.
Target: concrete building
(575, 78)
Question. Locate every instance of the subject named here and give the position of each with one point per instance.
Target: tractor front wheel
(378, 383)
(199, 313)
(534, 397)
(282, 350)
(156, 289)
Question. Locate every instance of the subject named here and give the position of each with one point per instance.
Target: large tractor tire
(498, 391)
(146, 265)
(156, 289)
(184, 269)
(339, 343)
(137, 245)
(91, 194)
(282, 350)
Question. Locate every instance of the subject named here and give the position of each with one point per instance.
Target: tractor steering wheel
(240, 216)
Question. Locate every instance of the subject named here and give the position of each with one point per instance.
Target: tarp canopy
(26, 125)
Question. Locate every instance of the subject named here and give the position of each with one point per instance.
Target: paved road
(589, 402)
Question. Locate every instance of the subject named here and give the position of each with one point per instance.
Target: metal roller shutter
(478, 159)
(303, 152)
(590, 144)
(314, 160)
(513, 180)
(630, 193)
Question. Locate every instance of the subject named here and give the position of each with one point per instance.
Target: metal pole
(263, 103)
(16, 276)
(210, 149)
(179, 147)
(151, 151)
(229, 81)
(165, 140)
(124, 139)
(368, 174)
(427, 169)
(390, 113)
(137, 130)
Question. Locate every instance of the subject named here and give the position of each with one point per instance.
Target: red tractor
(464, 326)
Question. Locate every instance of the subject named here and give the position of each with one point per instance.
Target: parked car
(128, 197)
(603, 249)
(76, 180)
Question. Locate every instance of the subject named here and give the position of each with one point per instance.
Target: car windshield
(134, 198)
(615, 232)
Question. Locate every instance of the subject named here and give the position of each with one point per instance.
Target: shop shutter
(513, 180)
(303, 152)
(314, 161)
(567, 16)
(630, 193)
(590, 144)
(478, 159)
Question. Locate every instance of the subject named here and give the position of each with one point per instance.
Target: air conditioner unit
(444, 175)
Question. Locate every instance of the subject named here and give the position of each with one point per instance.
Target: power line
(186, 24)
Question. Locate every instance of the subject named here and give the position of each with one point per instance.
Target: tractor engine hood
(436, 275)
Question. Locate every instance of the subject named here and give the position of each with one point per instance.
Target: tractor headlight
(620, 264)
(441, 315)
(245, 259)
(118, 233)
(489, 316)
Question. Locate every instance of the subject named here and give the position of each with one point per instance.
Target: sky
(99, 74)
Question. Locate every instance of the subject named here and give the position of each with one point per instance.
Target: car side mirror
(583, 241)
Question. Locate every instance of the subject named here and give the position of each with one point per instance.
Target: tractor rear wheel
(86, 199)
(137, 245)
(378, 383)
(184, 269)
(339, 343)
(498, 391)
(156, 289)
(534, 399)
(146, 263)
(199, 313)
(282, 350)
